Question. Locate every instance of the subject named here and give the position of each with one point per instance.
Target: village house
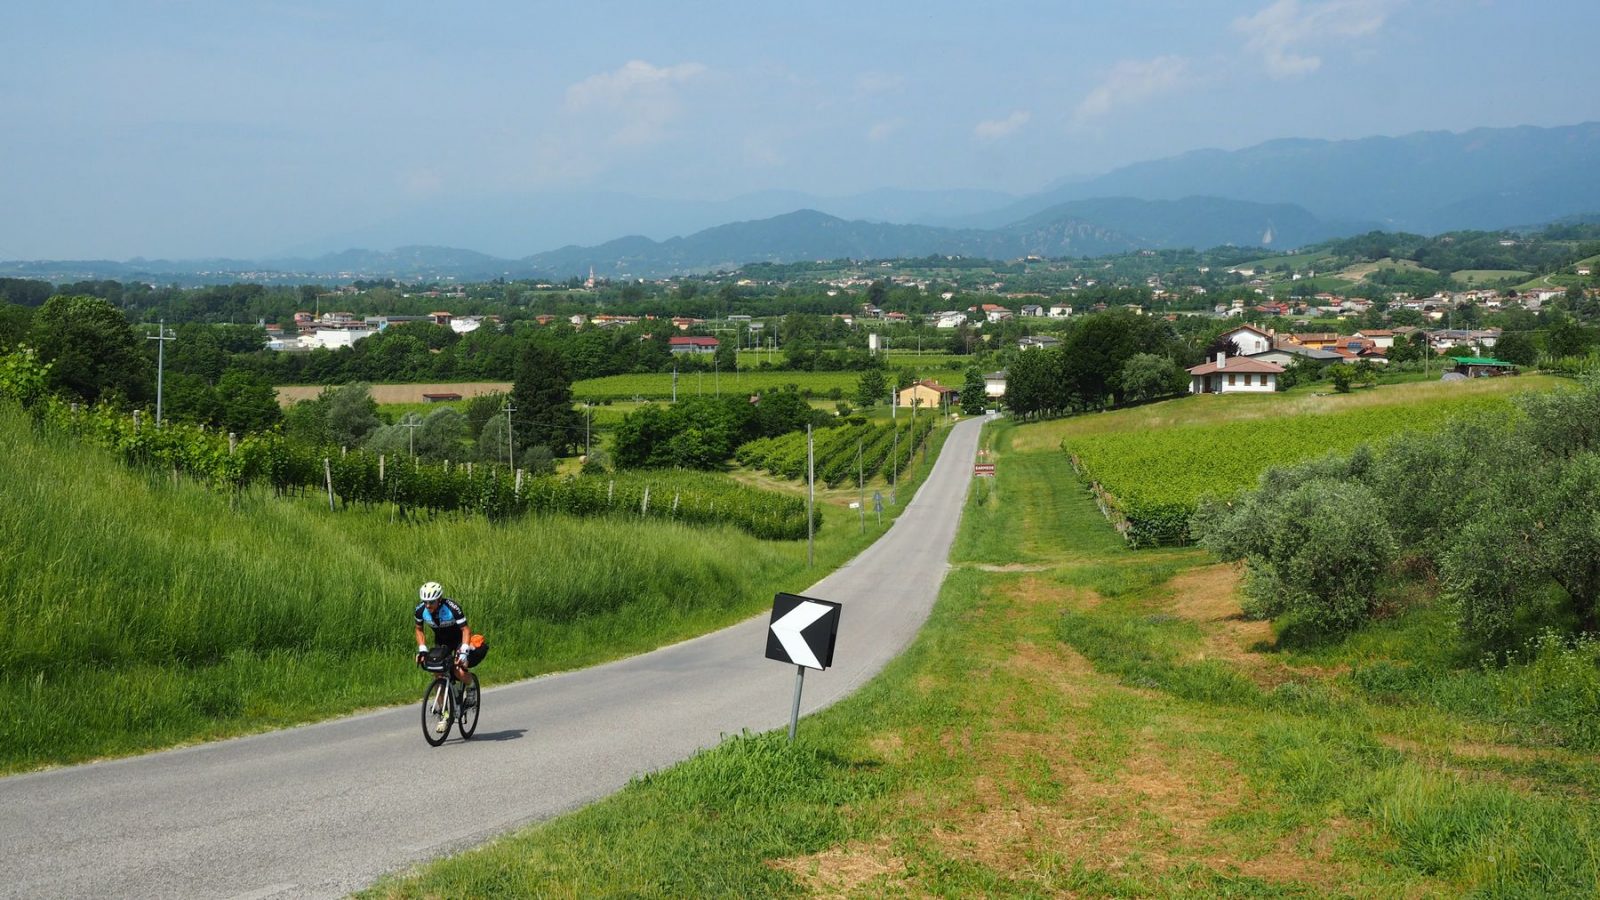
(928, 395)
(993, 312)
(994, 384)
(1380, 337)
(1060, 311)
(1249, 339)
(1234, 376)
(1317, 339)
(1286, 354)
(1038, 342)
(679, 344)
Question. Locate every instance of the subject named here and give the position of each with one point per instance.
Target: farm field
(398, 393)
(1360, 271)
(658, 385)
(1295, 261)
(183, 611)
(1079, 718)
(1153, 478)
(1486, 276)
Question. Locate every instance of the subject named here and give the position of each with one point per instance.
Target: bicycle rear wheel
(436, 712)
(467, 715)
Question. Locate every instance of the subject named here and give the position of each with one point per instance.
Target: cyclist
(450, 630)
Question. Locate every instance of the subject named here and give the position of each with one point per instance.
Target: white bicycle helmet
(431, 592)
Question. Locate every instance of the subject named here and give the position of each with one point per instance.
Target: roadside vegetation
(162, 612)
(1083, 718)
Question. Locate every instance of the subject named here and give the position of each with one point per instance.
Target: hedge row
(368, 478)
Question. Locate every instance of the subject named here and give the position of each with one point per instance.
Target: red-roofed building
(1234, 375)
(692, 344)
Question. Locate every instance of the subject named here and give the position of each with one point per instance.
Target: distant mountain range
(1280, 194)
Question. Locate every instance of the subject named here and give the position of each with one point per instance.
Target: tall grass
(146, 611)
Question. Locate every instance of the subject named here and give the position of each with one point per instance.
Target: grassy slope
(1079, 718)
(162, 614)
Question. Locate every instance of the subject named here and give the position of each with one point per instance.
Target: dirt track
(398, 393)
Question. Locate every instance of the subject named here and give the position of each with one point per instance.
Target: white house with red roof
(1234, 375)
(1249, 339)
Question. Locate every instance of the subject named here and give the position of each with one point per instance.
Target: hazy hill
(1426, 182)
(1084, 228)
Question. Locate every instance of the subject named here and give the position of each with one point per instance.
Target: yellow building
(928, 395)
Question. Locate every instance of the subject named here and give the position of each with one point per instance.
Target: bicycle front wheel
(467, 716)
(437, 710)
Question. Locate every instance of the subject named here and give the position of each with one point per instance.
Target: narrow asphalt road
(326, 809)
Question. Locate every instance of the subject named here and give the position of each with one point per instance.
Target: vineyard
(837, 451)
(361, 477)
(1149, 481)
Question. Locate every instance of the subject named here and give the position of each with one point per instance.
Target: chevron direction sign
(803, 631)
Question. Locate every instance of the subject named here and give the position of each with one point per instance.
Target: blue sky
(183, 129)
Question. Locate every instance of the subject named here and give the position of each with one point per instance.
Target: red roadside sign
(983, 469)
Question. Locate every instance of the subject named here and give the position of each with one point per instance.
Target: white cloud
(1133, 81)
(995, 129)
(882, 131)
(637, 101)
(1280, 32)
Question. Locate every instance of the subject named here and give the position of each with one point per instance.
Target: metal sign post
(802, 632)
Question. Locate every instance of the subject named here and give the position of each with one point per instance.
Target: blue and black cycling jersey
(446, 622)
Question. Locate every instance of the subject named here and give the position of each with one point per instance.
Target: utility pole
(861, 488)
(811, 496)
(587, 406)
(411, 424)
(161, 338)
(511, 450)
(674, 382)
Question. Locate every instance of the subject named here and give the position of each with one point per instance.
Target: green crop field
(1151, 477)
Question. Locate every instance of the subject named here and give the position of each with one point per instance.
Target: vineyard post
(233, 442)
(519, 484)
(380, 468)
(811, 495)
(327, 475)
(136, 421)
(644, 504)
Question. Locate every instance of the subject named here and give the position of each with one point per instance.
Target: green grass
(1081, 718)
(163, 612)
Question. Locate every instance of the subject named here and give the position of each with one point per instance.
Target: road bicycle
(448, 700)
